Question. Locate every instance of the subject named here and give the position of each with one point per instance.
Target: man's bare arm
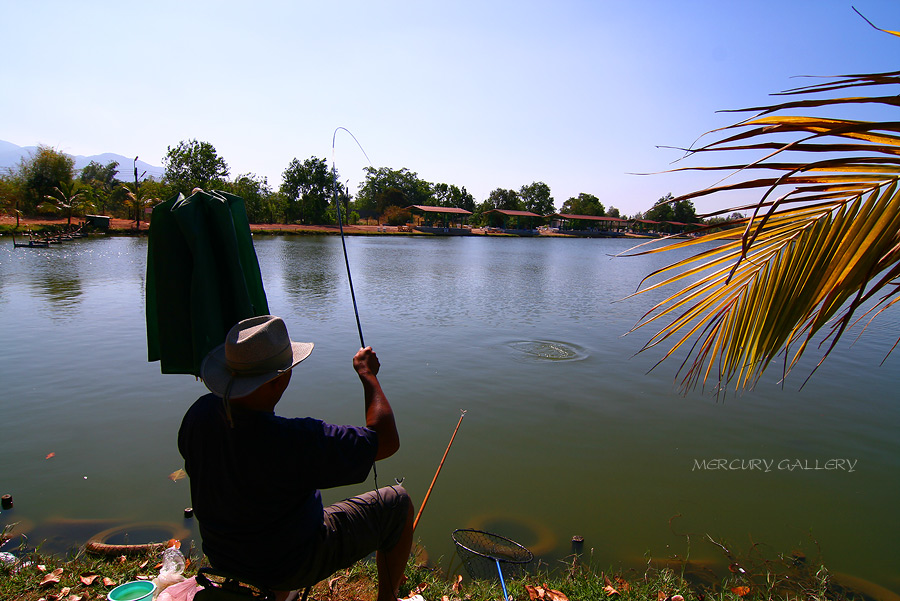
(379, 414)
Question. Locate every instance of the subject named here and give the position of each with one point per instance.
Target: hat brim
(215, 373)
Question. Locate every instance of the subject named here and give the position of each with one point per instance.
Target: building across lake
(453, 221)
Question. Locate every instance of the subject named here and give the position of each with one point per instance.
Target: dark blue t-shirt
(255, 487)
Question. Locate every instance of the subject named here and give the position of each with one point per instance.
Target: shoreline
(126, 227)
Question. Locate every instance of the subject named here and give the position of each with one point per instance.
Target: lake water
(566, 434)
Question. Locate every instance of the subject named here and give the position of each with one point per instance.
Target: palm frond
(822, 240)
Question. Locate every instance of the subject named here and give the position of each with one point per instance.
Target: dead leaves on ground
(457, 583)
(542, 593)
(611, 590)
(88, 578)
(177, 475)
(51, 578)
(86, 586)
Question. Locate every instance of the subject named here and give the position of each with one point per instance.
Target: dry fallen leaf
(419, 588)
(740, 591)
(144, 564)
(535, 593)
(52, 577)
(108, 581)
(609, 589)
(445, 598)
(457, 583)
(331, 581)
(173, 542)
(120, 559)
(623, 584)
(555, 595)
(661, 596)
(177, 475)
(88, 578)
(41, 567)
(50, 456)
(76, 597)
(64, 591)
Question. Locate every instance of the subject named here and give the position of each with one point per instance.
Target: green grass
(750, 576)
(577, 580)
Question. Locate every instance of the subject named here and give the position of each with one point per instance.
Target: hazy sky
(479, 94)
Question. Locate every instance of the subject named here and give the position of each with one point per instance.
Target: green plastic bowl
(137, 590)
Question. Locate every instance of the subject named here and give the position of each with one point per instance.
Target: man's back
(254, 486)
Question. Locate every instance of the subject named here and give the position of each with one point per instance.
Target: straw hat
(255, 351)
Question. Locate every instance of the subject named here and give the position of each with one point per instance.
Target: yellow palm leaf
(823, 239)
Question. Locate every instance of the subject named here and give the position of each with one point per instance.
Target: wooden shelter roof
(511, 213)
(430, 209)
(585, 217)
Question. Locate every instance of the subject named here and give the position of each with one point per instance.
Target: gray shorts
(353, 529)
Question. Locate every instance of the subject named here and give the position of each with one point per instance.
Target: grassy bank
(82, 576)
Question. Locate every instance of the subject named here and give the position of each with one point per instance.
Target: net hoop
(526, 554)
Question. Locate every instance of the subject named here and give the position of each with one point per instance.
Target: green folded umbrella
(202, 278)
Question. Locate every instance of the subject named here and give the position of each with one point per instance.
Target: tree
(9, 196)
(507, 200)
(385, 187)
(613, 212)
(308, 188)
(537, 199)
(662, 210)
(194, 164)
(819, 244)
(684, 211)
(65, 197)
(258, 197)
(443, 195)
(478, 218)
(584, 204)
(98, 183)
(138, 200)
(39, 174)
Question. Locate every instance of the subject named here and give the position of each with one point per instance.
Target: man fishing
(255, 476)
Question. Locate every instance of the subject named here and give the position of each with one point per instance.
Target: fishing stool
(220, 586)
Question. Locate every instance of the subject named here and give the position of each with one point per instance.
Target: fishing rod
(337, 202)
(440, 465)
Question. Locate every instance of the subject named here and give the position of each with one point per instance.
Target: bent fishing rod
(337, 202)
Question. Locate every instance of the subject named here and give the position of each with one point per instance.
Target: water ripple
(549, 350)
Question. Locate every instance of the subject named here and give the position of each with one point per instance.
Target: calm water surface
(565, 433)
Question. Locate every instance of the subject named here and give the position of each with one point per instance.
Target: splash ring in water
(549, 350)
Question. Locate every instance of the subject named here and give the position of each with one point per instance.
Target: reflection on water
(62, 290)
(566, 432)
(308, 272)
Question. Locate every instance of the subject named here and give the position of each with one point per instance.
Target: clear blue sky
(482, 94)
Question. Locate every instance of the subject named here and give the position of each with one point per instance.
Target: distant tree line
(47, 182)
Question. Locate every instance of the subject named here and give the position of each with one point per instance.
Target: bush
(395, 216)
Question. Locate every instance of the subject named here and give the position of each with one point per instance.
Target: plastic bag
(183, 591)
(171, 571)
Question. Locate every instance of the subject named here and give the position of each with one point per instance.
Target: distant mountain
(11, 154)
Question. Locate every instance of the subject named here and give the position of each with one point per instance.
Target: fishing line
(337, 202)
